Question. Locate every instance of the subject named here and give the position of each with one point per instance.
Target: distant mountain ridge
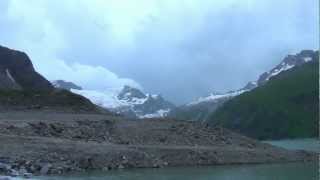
(200, 109)
(130, 102)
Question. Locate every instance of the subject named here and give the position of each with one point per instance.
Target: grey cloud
(183, 50)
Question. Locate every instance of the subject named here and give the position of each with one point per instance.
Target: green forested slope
(285, 107)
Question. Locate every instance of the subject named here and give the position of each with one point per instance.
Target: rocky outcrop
(17, 72)
(130, 94)
(61, 84)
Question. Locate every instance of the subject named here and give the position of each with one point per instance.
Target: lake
(290, 171)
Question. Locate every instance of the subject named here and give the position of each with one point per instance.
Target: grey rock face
(61, 84)
(128, 93)
(153, 104)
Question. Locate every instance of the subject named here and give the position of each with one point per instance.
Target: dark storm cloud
(226, 51)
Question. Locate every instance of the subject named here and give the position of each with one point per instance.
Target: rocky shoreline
(42, 143)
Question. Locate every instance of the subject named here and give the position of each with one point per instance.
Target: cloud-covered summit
(182, 49)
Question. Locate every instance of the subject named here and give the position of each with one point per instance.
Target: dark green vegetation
(285, 107)
(61, 100)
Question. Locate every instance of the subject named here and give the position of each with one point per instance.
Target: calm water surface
(298, 144)
(291, 171)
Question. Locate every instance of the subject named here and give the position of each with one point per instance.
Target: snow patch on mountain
(110, 98)
(106, 99)
(129, 101)
(288, 63)
(216, 96)
(307, 59)
(159, 113)
(277, 71)
(55, 84)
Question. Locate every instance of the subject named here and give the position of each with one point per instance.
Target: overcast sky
(182, 49)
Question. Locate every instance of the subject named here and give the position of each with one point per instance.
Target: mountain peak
(289, 62)
(129, 93)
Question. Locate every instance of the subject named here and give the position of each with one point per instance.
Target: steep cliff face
(22, 88)
(17, 72)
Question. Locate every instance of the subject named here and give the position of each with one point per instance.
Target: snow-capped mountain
(202, 107)
(289, 62)
(129, 101)
(142, 105)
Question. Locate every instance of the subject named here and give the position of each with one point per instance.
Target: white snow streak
(159, 113)
(214, 97)
(10, 76)
(278, 71)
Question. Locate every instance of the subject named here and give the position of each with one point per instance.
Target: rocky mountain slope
(287, 63)
(130, 102)
(200, 109)
(285, 105)
(22, 88)
(17, 72)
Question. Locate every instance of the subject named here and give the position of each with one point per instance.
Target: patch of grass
(57, 99)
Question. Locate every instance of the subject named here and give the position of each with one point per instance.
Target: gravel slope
(55, 143)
